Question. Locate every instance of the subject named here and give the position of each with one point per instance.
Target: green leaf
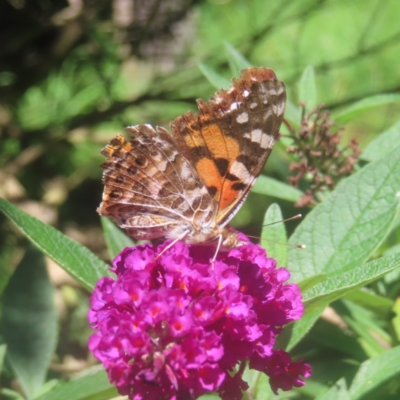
(308, 89)
(293, 333)
(76, 259)
(273, 237)
(259, 387)
(366, 104)
(366, 325)
(11, 394)
(337, 392)
(92, 384)
(371, 301)
(7, 251)
(209, 397)
(310, 282)
(333, 288)
(236, 60)
(383, 144)
(48, 385)
(334, 337)
(29, 322)
(374, 372)
(311, 389)
(293, 114)
(345, 229)
(116, 239)
(217, 80)
(337, 286)
(272, 187)
(369, 319)
(370, 345)
(3, 350)
(396, 318)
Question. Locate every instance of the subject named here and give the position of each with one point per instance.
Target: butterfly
(187, 185)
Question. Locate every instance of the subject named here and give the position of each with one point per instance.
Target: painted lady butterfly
(189, 184)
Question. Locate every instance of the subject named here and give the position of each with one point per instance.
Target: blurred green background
(74, 73)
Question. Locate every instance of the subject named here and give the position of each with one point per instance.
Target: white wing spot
(234, 106)
(253, 105)
(267, 141)
(203, 191)
(280, 90)
(218, 99)
(256, 135)
(242, 118)
(269, 112)
(278, 108)
(246, 93)
(185, 172)
(238, 169)
(197, 192)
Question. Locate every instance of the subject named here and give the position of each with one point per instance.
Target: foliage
(53, 124)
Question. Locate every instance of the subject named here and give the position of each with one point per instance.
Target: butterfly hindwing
(150, 188)
(230, 139)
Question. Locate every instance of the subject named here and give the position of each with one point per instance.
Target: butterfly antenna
(278, 222)
(284, 220)
(296, 246)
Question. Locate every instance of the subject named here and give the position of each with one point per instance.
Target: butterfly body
(189, 184)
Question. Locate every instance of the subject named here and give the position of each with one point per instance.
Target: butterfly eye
(231, 240)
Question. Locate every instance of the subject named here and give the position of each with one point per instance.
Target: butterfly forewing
(230, 139)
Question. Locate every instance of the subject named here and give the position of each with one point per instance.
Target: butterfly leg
(220, 238)
(180, 237)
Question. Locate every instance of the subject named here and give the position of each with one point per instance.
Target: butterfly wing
(230, 139)
(150, 188)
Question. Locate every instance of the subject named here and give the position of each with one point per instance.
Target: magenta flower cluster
(178, 326)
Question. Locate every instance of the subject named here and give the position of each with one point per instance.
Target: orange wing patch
(115, 145)
(212, 167)
(207, 169)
